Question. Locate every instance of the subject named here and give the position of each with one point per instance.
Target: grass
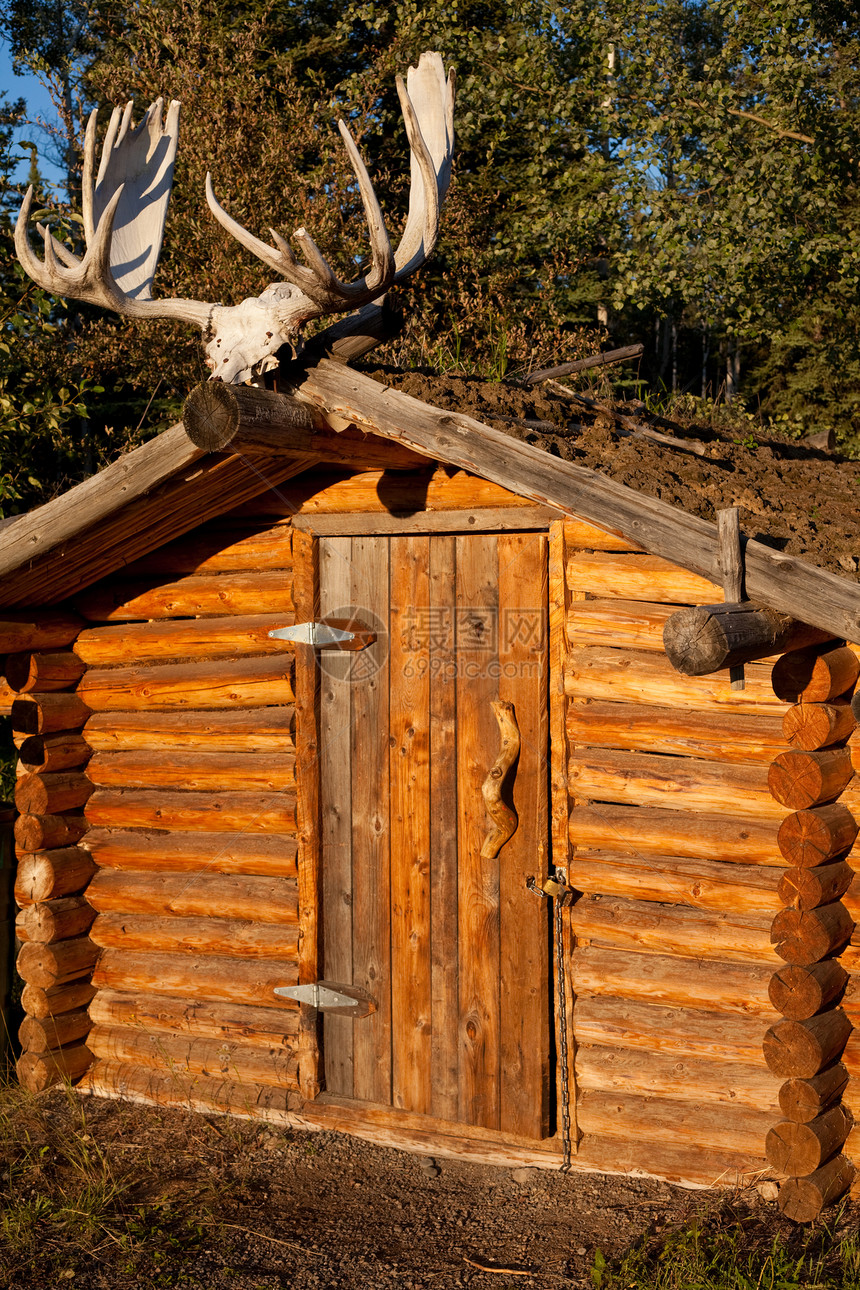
(69, 1203)
(726, 1251)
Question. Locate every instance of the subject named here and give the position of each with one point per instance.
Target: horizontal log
(640, 677)
(637, 577)
(253, 730)
(800, 780)
(30, 629)
(129, 1082)
(328, 490)
(686, 1165)
(182, 638)
(221, 936)
(803, 1199)
(55, 920)
(814, 837)
(799, 1149)
(25, 672)
(241, 683)
(63, 751)
(642, 830)
(717, 736)
(49, 874)
(202, 595)
(719, 1037)
(613, 1070)
(657, 1120)
(632, 924)
(809, 888)
(58, 963)
(703, 884)
(803, 1100)
(732, 988)
(41, 1034)
(804, 936)
(256, 900)
(817, 725)
(210, 1058)
(800, 1049)
(225, 546)
(43, 714)
(51, 793)
(198, 771)
(474, 520)
(589, 537)
(620, 623)
(685, 783)
(38, 1071)
(193, 812)
(54, 1001)
(815, 675)
(159, 1014)
(47, 832)
(776, 580)
(709, 637)
(219, 418)
(199, 977)
(241, 853)
(800, 991)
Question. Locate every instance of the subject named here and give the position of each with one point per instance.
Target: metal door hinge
(331, 996)
(332, 634)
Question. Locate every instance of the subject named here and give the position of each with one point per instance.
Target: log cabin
(381, 773)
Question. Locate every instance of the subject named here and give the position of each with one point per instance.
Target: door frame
(306, 531)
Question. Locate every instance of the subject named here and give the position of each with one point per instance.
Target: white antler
(123, 215)
(427, 102)
(125, 207)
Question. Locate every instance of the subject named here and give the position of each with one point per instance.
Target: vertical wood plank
(335, 573)
(524, 927)
(478, 881)
(369, 754)
(305, 599)
(409, 770)
(443, 835)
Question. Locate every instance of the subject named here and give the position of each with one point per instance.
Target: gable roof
(164, 489)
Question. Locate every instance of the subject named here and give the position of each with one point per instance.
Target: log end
(802, 1199)
(211, 416)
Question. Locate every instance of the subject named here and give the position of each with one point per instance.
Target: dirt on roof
(801, 500)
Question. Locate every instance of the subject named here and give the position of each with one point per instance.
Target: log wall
(813, 932)
(57, 954)
(675, 861)
(177, 787)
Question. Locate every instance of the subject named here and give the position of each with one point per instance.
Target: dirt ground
(114, 1195)
(798, 499)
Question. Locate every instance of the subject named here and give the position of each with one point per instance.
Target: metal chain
(562, 1026)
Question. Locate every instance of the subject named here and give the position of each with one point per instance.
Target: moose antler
(124, 212)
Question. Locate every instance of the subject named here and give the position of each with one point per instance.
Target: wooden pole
(707, 638)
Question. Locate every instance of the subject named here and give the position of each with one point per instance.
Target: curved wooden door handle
(504, 817)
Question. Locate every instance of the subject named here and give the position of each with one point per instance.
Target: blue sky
(38, 102)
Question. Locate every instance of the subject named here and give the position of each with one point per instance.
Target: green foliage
(684, 171)
(728, 1253)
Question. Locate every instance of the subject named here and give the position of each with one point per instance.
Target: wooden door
(453, 947)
